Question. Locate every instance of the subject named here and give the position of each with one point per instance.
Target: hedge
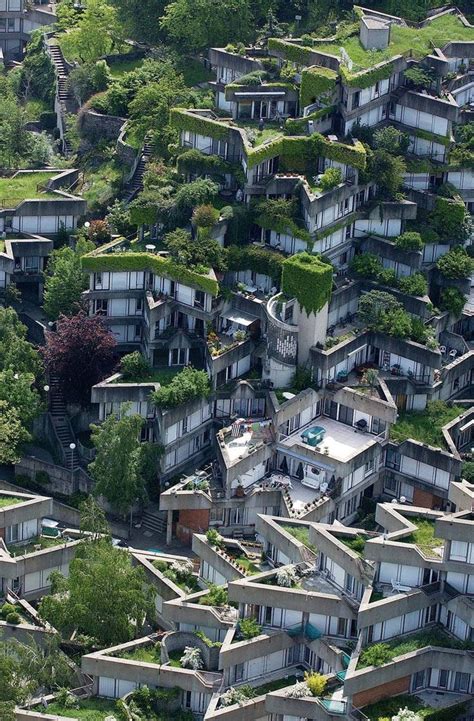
(258, 260)
(295, 53)
(116, 262)
(309, 280)
(286, 226)
(366, 78)
(193, 160)
(299, 126)
(184, 120)
(315, 82)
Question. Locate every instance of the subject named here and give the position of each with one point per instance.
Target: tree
(14, 138)
(135, 367)
(98, 32)
(453, 301)
(16, 353)
(103, 597)
(199, 24)
(200, 251)
(395, 322)
(92, 518)
(117, 464)
(12, 434)
(81, 352)
(186, 386)
(139, 18)
(87, 79)
(387, 171)
(418, 77)
(373, 305)
(65, 281)
(366, 265)
(18, 391)
(391, 139)
(118, 218)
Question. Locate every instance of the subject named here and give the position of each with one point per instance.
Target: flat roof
(342, 441)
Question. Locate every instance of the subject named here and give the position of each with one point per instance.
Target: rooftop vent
(374, 33)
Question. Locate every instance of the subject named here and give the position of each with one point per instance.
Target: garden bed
(91, 709)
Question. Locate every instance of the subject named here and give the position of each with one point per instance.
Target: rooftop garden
(301, 533)
(390, 707)
(403, 40)
(180, 573)
(257, 137)
(356, 544)
(90, 709)
(381, 653)
(25, 186)
(6, 501)
(188, 385)
(144, 654)
(424, 537)
(424, 426)
(135, 368)
(43, 541)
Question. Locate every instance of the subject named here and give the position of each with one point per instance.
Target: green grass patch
(356, 544)
(250, 567)
(424, 426)
(301, 533)
(42, 541)
(402, 39)
(175, 658)
(145, 654)
(24, 186)
(277, 685)
(102, 181)
(90, 709)
(270, 131)
(34, 107)
(119, 69)
(10, 501)
(424, 537)
(194, 72)
(381, 653)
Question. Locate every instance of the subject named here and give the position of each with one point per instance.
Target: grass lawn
(146, 654)
(387, 651)
(25, 185)
(424, 426)
(246, 563)
(301, 533)
(10, 501)
(163, 376)
(91, 709)
(402, 40)
(270, 132)
(356, 544)
(118, 70)
(194, 72)
(424, 537)
(100, 182)
(276, 685)
(38, 541)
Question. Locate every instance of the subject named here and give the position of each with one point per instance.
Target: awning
(239, 317)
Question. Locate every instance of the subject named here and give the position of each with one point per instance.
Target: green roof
(403, 40)
(309, 280)
(25, 186)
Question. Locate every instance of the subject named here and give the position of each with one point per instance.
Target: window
(461, 682)
(32, 264)
(418, 680)
(443, 678)
(199, 299)
(178, 356)
(341, 626)
(239, 671)
(346, 415)
(356, 100)
(184, 428)
(12, 533)
(101, 306)
(187, 699)
(138, 331)
(369, 467)
(139, 306)
(390, 484)
(11, 25)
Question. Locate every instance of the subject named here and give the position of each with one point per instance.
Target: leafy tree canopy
(65, 280)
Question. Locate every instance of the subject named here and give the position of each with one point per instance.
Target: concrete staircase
(155, 521)
(135, 183)
(66, 102)
(62, 427)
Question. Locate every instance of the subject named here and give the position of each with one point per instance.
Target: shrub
(216, 596)
(376, 655)
(388, 276)
(330, 179)
(396, 323)
(418, 77)
(299, 690)
(13, 617)
(6, 609)
(286, 577)
(409, 241)
(134, 366)
(205, 216)
(391, 139)
(214, 538)
(192, 658)
(249, 628)
(404, 714)
(413, 284)
(452, 300)
(456, 263)
(366, 265)
(186, 386)
(316, 683)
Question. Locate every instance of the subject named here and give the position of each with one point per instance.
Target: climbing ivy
(297, 150)
(430, 137)
(259, 260)
(295, 53)
(184, 120)
(366, 78)
(116, 262)
(309, 280)
(315, 82)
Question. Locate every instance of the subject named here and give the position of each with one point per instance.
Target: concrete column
(169, 528)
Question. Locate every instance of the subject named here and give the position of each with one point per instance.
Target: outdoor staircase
(155, 521)
(67, 102)
(57, 408)
(135, 183)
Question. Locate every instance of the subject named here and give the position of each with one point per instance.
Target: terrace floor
(440, 699)
(343, 442)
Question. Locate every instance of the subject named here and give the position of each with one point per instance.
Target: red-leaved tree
(81, 352)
